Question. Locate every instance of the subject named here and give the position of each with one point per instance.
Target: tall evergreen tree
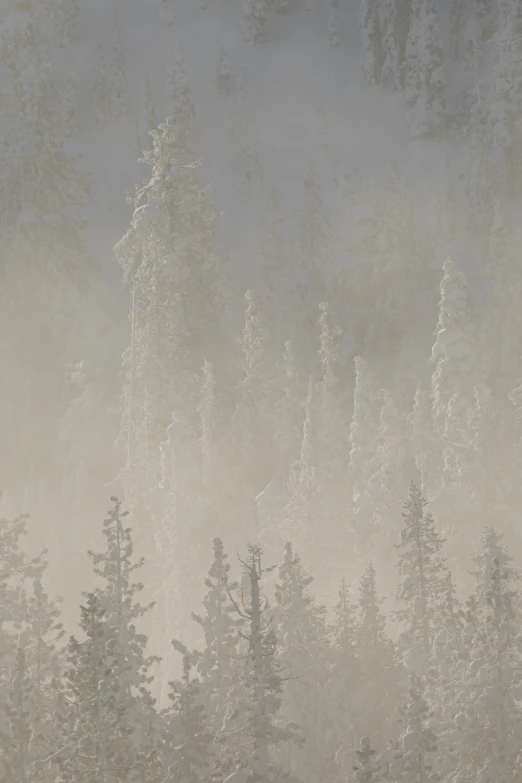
(300, 624)
(169, 257)
(188, 745)
(379, 669)
(453, 349)
(258, 724)
(421, 568)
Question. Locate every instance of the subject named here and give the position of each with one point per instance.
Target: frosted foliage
(274, 386)
(453, 348)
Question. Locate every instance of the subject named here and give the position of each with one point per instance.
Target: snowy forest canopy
(298, 344)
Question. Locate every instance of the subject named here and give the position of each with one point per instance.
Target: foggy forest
(260, 391)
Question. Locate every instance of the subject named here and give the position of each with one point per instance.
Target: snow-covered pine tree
(15, 568)
(413, 760)
(424, 79)
(257, 724)
(490, 718)
(492, 552)
(217, 664)
(453, 349)
(368, 769)
(15, 758)
(446, 670)
(188, 745)
(421, 568)
(380, 673)
(169, 258)
(182, 529)
(304, 653)
(40, 664)
(131, 665)
(304, 508)
(251, 426)
(115, 567)
(344, 694)
(388, 468)
(91, 735)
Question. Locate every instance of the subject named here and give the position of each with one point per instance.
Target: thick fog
(261, 391)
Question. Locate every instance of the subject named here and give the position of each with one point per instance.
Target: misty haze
(261, 391)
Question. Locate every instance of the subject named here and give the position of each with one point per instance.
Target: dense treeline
(278, 688)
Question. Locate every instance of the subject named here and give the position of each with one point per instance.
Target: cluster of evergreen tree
(456, 66)
(278, 687)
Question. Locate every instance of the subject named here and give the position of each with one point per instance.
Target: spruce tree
(379, 669)
(257, 724)
(453, 349)
(187, 743)
(170, 260)
(490, 718)
(413, 760)
(304, 652)
(421, 570)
